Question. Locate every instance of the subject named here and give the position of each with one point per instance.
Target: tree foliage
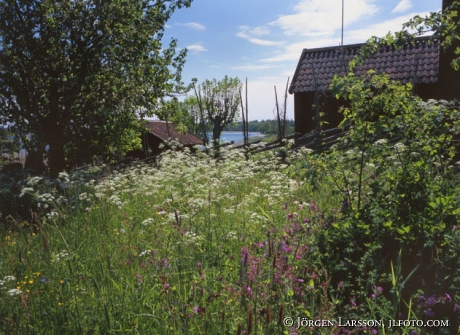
(219, 103)
(73, 72)
(396, 170)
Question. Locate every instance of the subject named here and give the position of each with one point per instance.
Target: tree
(9, 146)
(73, 72)
(219, 103)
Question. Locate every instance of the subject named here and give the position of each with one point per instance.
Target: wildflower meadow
(195, 245)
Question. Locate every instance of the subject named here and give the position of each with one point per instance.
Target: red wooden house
(423, 64)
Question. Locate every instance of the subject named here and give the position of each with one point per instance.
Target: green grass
(161, 250)
(193, 245)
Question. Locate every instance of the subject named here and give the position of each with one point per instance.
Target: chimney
(448, 78)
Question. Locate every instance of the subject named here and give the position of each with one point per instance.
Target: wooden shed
(158, 132)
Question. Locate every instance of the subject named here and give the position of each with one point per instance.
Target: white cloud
(292, 51)
(196, 47)
(251, 67)
(321, 18)
(245, 32)
(193, 25)
(402, 6)
(264, 87)
(380, 29)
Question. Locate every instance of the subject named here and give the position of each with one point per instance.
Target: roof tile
(165, 130)
(417, 63)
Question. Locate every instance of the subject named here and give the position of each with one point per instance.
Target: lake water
(235, 136)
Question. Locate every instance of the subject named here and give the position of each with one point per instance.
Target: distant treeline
(264, 126)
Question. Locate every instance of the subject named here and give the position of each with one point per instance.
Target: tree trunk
(216, 131)
(56, 156)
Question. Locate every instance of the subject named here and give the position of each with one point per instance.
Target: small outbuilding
(158, 132)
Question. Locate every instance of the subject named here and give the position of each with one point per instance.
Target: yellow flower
(61, 281)
(60, 303)
(31, 282)
(36, 274)
(27, 291)
(26, 277)
(18, 287)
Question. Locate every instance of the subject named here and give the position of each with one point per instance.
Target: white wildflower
(52, 215)
(147, 222)
(381, 141)
(14, 291)
(60, 257)
(400, 147)
(145, 252)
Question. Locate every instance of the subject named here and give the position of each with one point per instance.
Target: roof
(165, 130)
(418, 63)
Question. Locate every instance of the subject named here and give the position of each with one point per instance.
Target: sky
(262, 40)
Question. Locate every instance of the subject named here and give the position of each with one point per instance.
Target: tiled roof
(165, 130)
(417, 63)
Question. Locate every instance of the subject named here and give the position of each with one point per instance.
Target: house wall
(449, 79)
(304, 113)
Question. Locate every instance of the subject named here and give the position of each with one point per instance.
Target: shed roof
(418, 63)
(165, 130)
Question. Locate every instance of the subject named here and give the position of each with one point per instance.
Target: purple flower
(431, 301)
(379, 289)
(195, 309)
(429, 313)
(413, 332)
(284, 247)
(244, 256)
(449, 299)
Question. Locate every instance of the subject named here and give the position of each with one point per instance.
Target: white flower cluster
(191, 238)
(4, 285)
(145, 252)
(147, 222)
(60, 257)
(14, 291)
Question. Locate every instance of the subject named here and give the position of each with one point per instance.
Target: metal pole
(343, 5)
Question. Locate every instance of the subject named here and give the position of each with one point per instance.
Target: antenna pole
(341, 41)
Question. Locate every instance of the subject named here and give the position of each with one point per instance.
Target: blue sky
(262, 40)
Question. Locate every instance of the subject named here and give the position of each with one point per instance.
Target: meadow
(350, 241)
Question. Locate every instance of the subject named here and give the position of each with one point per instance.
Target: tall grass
(190, 246)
